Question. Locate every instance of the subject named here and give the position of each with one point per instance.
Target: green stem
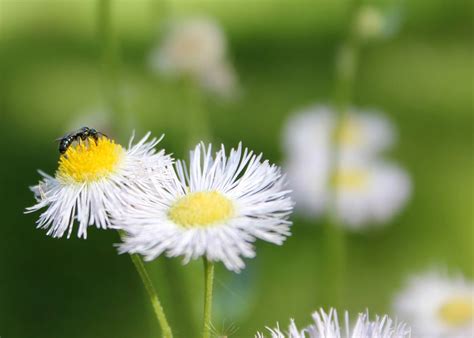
(347, 61)
(150, 289)
(208, 286)
(155, 301)
(346, 70)
(335, 263)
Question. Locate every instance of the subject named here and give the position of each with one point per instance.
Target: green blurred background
(283, 50)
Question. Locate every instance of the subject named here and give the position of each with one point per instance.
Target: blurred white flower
(217, 208)
(91, 181)
(312, 131)
(369, 192)
(309, 183)
(361, 189)
(365, 191)
(327, 325)
(437, 306)
(370, 22)
(190, 46)
(196, 47)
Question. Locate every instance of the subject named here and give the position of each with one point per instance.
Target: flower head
(438, 306)
(312, 131)
(91, 181)
(369, 192)
(215, 208)
(327, 325)
(334, 164)
(196, 47)
(190, 46)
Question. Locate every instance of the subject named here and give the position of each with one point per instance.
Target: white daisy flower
(196, 47)
(308, 180)
(190, 47)
(91, 181)
(366, 190)
(327, 325)
(369, 192)
(215, 208)
(437, 306)
(311, 132)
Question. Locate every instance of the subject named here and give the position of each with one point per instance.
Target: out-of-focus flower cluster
(437, 306)
(335, 165)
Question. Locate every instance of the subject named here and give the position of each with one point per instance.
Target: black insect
(83, 133)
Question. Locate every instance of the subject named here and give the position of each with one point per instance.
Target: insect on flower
(81, 134)
(93, 177)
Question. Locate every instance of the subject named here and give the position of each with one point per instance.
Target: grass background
(284, 54)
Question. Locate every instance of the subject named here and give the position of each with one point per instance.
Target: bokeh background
(284, 54)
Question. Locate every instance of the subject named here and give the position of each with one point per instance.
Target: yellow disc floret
(457, 312)
(351, 179)
(89, 160)
(201, 209)
(348, 133)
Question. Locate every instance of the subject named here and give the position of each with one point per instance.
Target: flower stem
(155, 301)
(345, 75)
(347, 60)
(208, 286)
(335, 273)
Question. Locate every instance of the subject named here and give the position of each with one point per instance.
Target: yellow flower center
(351, 179)
(348, 132)
(89, 160)
(201, 209)
(457, 311)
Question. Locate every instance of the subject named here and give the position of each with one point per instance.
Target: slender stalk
(346, 71)
(347, 62)
(150, 289)
(155, 301)
(335, 273)
(208, 288)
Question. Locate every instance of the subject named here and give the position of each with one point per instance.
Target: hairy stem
(208, 288)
